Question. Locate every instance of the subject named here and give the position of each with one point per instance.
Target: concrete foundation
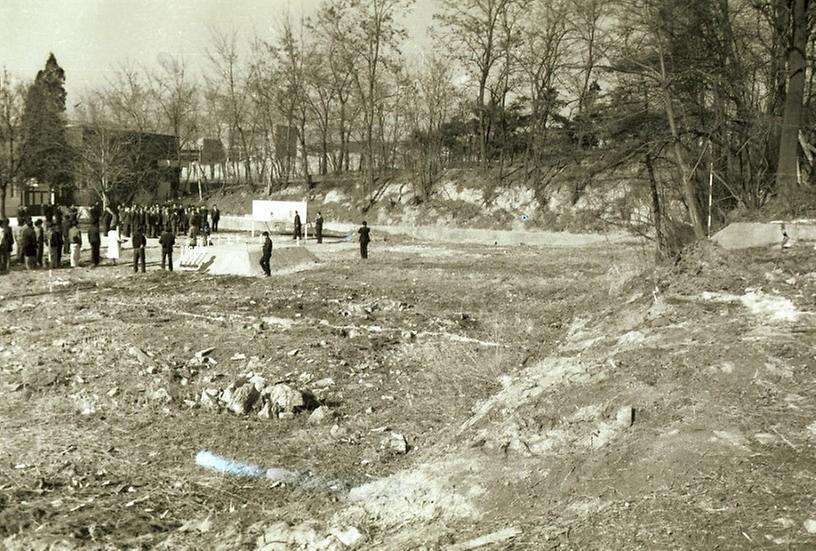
(245, 260)
(745, 235)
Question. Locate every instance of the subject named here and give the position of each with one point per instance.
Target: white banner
(278, 211)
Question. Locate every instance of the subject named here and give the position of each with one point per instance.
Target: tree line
(704, 101)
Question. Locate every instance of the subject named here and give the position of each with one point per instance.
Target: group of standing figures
(43, 242)
(297, 233)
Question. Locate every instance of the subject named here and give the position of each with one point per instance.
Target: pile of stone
(252, 394)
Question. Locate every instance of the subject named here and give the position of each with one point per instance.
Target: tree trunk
(688, 182)
(786, 173)
(661, 248)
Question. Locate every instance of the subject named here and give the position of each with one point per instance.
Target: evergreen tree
(45, 154)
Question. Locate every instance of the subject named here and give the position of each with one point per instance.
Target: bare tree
(787, 170)
(541, 59)
(177, 97)
(103, 156)
(12, 98)
(372, 31)
(472, 34)
(228, 86)
(128, 99)
(435, 100)
(330, 25)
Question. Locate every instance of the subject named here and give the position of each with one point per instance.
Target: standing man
(195, 223)
(298, 225)
(204, 213)
(365, 237)
(55, 247)
(95, 242)
(267, 254)
(6, 243)
(215, 214)
(66, 227)
(167, 240)
(319, 227)
(126, 218)
(39, 236)
(139, 244)
(28, 245)
(75, 239)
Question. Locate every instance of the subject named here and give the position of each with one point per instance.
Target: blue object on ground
(209, 460)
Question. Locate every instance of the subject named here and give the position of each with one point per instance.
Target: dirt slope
(548, 398)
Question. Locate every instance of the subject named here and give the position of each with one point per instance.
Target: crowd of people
(42, 243)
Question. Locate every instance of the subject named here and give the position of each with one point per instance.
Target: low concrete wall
(458, 235)
(745, 235)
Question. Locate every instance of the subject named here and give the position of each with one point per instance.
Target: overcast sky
(89, 37)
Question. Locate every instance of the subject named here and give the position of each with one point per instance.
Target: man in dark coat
(365, 237)
(28, 245)
(6, 243)
(195, 223)
(215, 214)
(139, 244)
(95, 241)
(167, 240)
(39, 235)
(66, 227)
(55, 247)
(204, 215)
(126, 218)
(319, 227)
(296, 232)
(266, 254)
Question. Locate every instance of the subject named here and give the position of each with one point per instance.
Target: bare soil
(550, 398)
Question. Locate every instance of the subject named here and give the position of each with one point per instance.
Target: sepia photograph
(429, 275)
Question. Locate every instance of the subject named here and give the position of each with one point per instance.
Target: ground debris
(489, 539)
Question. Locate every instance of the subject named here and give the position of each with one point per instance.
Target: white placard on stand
(278, 211)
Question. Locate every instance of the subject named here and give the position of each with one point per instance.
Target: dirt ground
(478, 397)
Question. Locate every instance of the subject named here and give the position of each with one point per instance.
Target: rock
(285, 415)
(338, 432)
(237, 357)
(113, 392)
(320, 415)
(207, 400)
(397, 443)
(284, 398)
(810, 526)
(350, 537)
(265, 413)
(258, 382)
(202, 353)
(140, 355)
(409, 335)
(625, 416)
(282, 536)
(242, 399)
(324, 383)
(785, 522)
(162, 395)
(293, 353)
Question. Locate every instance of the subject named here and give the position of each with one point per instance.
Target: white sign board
(277, 212)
